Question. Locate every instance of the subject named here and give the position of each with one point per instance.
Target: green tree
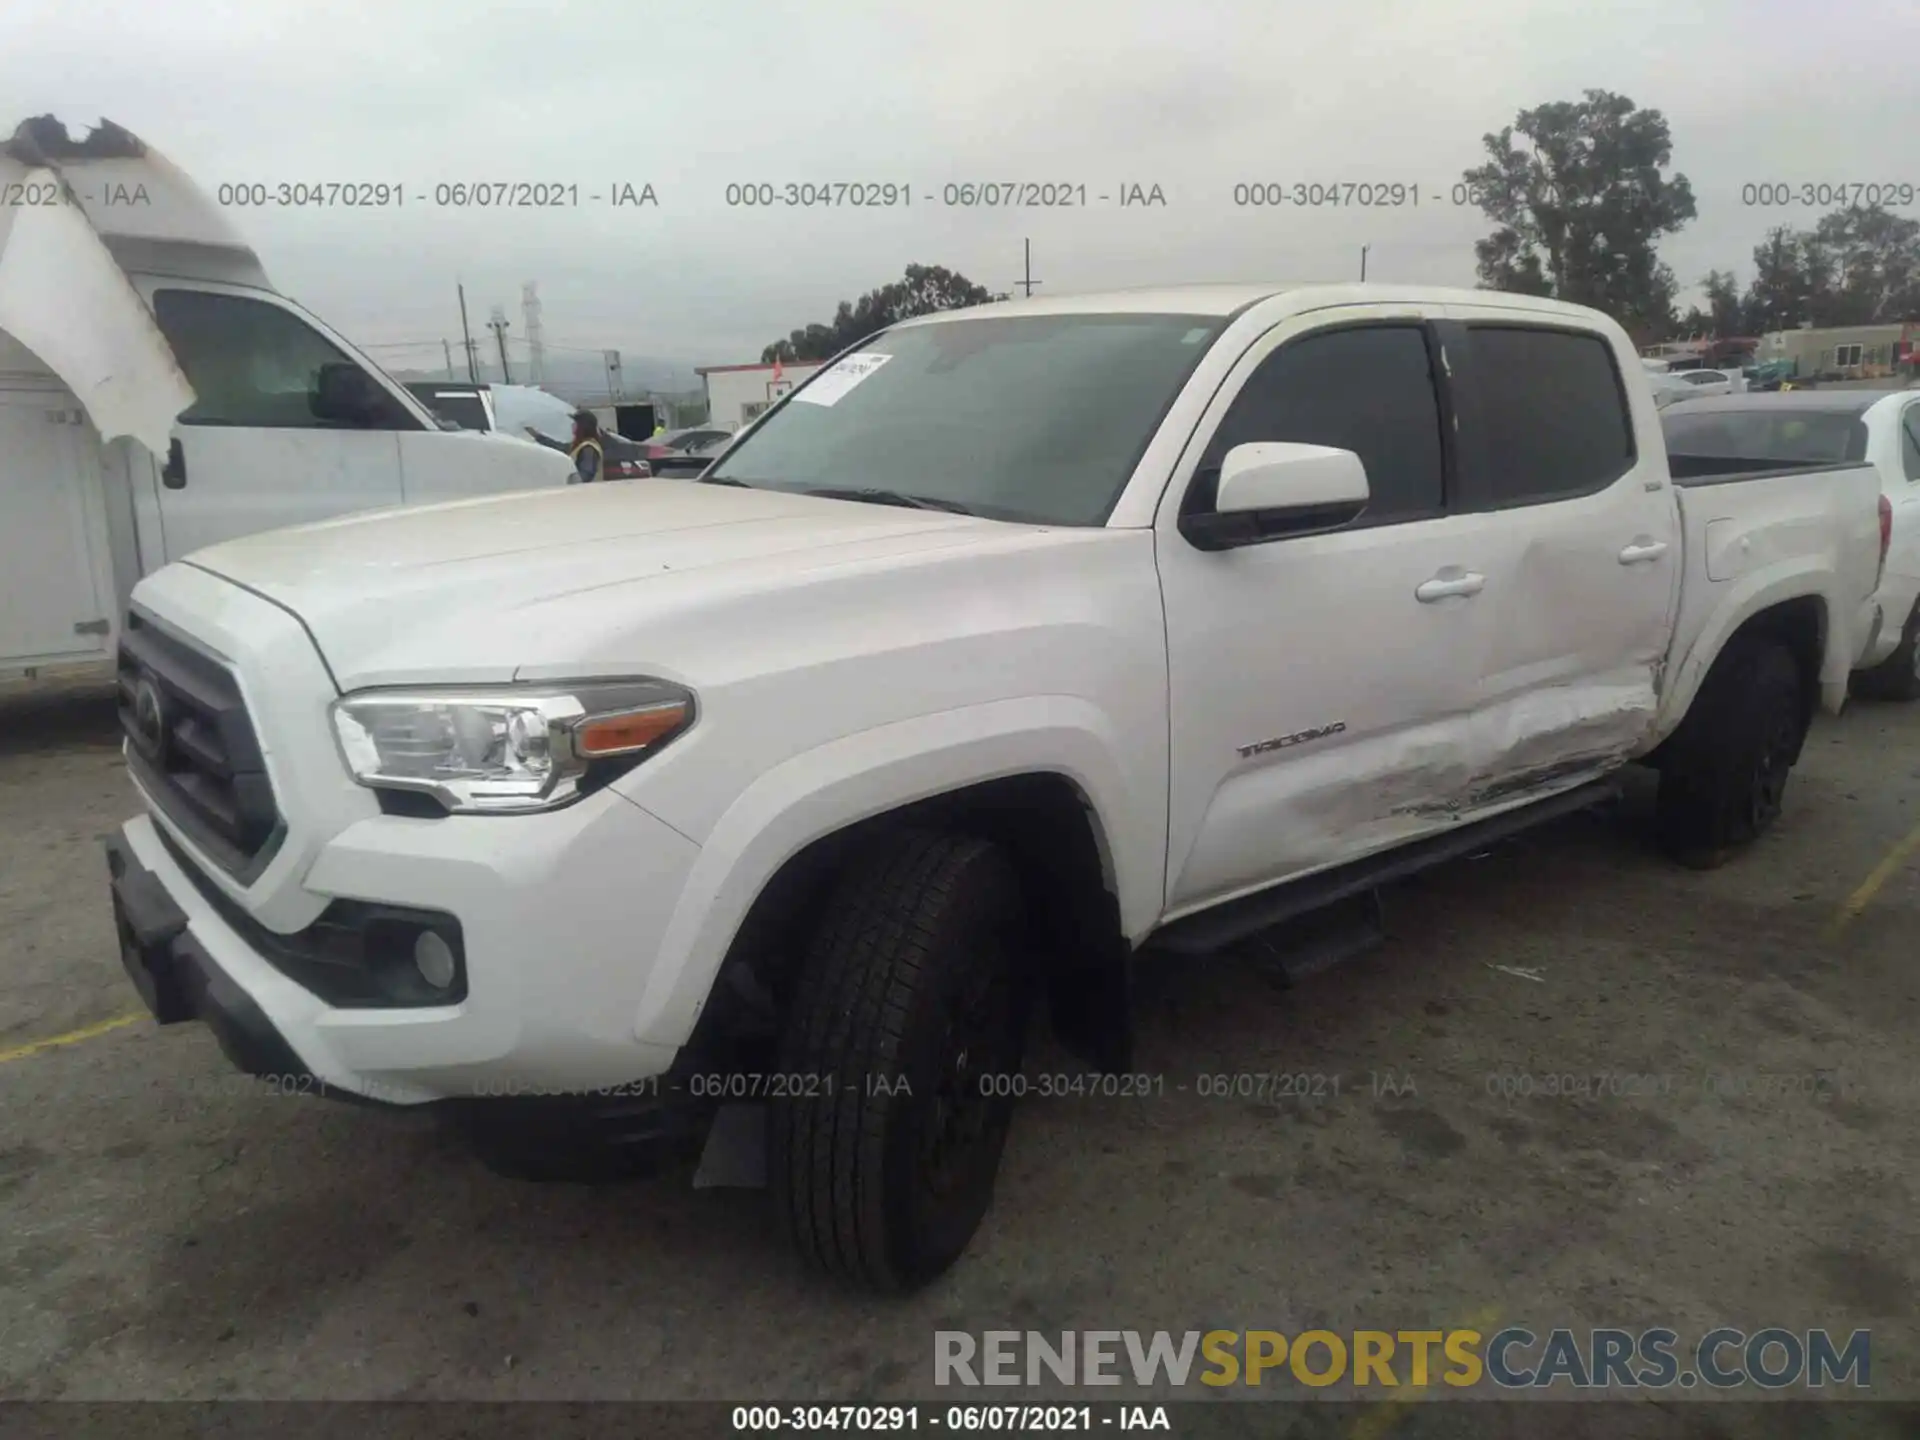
(1788, 273)
(1726, 311)
(923, 290)
(1858, 266)
(1579, 194)
(1874, 257)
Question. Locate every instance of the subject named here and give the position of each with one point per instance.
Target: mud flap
(1091, 1006)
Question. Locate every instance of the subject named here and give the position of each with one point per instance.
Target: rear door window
(1550, 415)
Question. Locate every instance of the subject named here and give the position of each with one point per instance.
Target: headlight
(511, 749)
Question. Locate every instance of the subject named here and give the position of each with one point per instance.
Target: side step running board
(1319, 940)
(1228, 925)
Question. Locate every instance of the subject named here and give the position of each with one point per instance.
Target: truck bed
(1754, 538)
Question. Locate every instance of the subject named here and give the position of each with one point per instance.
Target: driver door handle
(1449, 582)
(1642, 550)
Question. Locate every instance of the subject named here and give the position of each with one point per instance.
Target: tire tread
(851, 1010)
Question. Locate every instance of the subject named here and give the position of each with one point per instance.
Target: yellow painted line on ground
(1381, 1418)
(1869, 887)
(72, 1037)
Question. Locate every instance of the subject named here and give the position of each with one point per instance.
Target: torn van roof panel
(93, 211)
(149, 213)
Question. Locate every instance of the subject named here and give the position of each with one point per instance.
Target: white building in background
(736, 394)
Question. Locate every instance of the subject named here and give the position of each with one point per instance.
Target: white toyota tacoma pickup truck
(1017, 643)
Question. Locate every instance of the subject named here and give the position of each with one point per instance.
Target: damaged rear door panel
(1573, 499)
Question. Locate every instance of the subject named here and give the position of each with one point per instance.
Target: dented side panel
(1754, 544)
(1585, 598)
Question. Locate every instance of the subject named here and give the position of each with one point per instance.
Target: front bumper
(561, 914)
(180, 981)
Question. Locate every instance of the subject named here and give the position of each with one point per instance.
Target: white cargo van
(157, 395)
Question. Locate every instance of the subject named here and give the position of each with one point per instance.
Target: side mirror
(1272, 490)
(347, 395)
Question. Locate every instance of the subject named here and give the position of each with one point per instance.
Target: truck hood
(509, 586)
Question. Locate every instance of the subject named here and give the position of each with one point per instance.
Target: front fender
(825, 789)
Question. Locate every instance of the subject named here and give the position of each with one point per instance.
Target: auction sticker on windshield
(833, 383)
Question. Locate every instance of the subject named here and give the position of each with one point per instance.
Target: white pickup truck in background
(1021, 641)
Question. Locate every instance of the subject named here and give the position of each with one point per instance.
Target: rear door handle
(1450, 582)
(1643, 550)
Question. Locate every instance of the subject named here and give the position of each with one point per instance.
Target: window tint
(1553, 414)
(249, 363)
(1369, 390)
(1910, 442)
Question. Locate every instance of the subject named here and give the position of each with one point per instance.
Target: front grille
(191, 744)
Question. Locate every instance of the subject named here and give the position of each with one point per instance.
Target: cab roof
(1226, 300)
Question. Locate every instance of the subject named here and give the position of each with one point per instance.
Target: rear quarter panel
(1753, 544)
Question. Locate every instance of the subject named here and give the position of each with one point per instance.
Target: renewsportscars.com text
(1512, 1358)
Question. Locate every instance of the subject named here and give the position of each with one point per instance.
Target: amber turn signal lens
(624, 733)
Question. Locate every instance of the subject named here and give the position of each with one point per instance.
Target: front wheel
(911, 1003)
(1725, 779)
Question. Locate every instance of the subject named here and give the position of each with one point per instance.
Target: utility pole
(536, 336)
(1363, 263)
(448, 348)
(473, 370)
(498, 324)
(616, 379)
(1028, 283)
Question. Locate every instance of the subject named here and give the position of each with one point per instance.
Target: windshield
(1785, 436)
(463, 407)
(1037, 418)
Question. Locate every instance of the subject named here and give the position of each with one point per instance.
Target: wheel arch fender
(1794, 604)
(831, 787)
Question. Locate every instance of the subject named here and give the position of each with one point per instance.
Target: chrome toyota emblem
(149, 716)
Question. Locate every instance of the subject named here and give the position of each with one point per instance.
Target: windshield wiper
(877, 496)
(723, 480)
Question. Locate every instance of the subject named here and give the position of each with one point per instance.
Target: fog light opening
(433, 958)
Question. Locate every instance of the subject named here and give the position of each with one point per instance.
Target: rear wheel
(1898, 676)
(1724, 779)
(911, 1005)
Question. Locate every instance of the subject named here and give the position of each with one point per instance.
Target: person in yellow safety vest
(589, 456)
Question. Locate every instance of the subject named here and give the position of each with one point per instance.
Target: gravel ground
(170, 1231)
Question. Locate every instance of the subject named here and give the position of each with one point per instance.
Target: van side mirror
(346, 394)
(1275, 489)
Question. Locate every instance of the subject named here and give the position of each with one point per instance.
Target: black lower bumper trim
(180, 981)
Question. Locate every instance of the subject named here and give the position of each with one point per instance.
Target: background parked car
(681, 442)
(687, 463)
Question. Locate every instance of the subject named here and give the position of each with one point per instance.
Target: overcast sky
(1194, 96)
